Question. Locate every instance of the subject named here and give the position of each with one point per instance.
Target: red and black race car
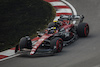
(58, 34)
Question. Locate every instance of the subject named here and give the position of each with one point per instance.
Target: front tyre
(25, 43)
(83, 30)
(56, 44)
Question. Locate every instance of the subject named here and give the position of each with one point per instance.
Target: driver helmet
(53, 30)
(57, 23)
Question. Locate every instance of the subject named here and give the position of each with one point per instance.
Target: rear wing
(72, 18)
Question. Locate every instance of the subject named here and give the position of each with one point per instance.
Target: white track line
(9, 57)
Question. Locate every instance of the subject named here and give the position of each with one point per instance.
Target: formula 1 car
(55, 36)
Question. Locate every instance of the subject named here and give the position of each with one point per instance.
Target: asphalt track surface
(85, 52)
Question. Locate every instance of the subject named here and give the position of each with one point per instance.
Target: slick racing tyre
(57, 44)
(83, 30)
(24, 43)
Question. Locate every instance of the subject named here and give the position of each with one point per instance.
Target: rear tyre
(83, 30)
(56, 44)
